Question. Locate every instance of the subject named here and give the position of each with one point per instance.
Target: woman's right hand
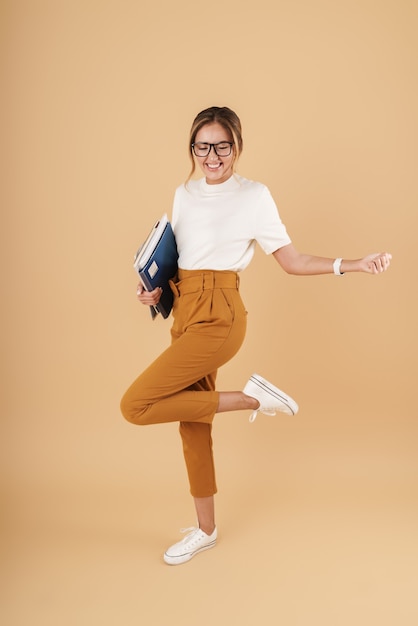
(150, 298)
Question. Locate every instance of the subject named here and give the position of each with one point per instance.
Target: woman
(217, 221)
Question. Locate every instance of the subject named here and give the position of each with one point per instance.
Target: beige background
(318, 514)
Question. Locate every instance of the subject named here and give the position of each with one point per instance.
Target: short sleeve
(270, 232)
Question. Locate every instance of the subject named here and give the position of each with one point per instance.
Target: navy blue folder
(156, 263)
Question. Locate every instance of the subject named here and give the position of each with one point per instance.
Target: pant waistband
(189, 281)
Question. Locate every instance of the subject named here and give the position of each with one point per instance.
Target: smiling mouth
(213, 166)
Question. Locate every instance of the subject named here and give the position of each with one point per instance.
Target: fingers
(148, 297)
(380, 262)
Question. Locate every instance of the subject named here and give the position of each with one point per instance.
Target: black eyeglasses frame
(212, 145)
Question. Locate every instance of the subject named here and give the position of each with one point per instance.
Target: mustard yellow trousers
(179, 386)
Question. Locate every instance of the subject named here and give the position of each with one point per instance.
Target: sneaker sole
(184, 558)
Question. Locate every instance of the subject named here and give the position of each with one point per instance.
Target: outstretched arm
(294, 262)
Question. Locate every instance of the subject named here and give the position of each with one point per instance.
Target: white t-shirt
(217, 226)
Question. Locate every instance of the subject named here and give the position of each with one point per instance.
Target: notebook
(156, 263)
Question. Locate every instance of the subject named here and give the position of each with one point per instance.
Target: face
(216, 169)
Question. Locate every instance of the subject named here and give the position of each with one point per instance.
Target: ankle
(250, 402)
(207, 529)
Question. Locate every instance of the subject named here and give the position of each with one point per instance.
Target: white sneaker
(271, 398)
(195, 541)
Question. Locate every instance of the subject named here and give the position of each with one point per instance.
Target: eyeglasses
(222, 149)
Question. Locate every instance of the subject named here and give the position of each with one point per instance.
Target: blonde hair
(226, 118)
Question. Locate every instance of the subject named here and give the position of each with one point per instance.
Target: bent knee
(131, 410)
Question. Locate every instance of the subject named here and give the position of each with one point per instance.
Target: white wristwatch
(337, 267)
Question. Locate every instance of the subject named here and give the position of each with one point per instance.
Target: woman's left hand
(375, 263)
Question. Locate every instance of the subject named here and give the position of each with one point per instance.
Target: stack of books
(156, 263)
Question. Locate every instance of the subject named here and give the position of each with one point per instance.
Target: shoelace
(265, 411)
(190, 531)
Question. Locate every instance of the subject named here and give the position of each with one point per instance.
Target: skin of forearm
(300, 264)
(307, 265)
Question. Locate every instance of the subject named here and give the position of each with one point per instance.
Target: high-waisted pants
(208, 330)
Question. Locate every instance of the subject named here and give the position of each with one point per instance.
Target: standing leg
(198, 455)
(205, 510)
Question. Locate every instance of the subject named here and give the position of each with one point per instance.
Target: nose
(212, 153)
